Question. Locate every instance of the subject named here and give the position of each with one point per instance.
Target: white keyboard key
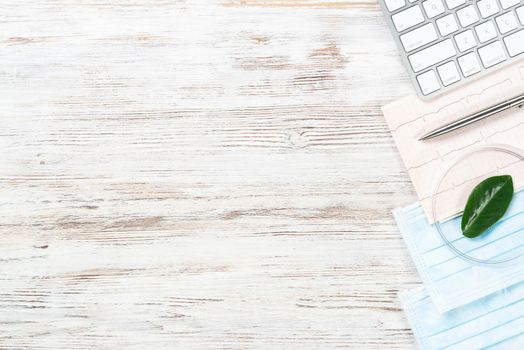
(465, 40)
(448, 73)
(432, 55)
(433, 8)
(467, 16)
(488, 7)
(506, 4)
(428, 82)
(469, 64)
(515, 43)
(394, 5)
(486, 31)
(507, 22)
(454, 3)
(408, 18)
(419, 37)
(520, 13)
(447, 25)
(492, 54)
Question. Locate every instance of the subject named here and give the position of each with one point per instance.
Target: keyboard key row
(466, 40)
(429, 81)
(490, 55)
(436, 7)
(448, 73)
(467, 16)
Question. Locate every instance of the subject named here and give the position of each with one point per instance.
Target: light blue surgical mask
(450, 280)
(495, 322)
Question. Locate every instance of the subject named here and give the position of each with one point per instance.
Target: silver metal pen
(488, 112)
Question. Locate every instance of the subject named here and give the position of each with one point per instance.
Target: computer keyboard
(448, 42)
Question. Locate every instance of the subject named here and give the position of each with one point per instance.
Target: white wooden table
(200, 175)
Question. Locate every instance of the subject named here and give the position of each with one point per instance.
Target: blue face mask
(495, 322)
(450, 280)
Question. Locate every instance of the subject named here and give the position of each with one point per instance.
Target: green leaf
(486, 204)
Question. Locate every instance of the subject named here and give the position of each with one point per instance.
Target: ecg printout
(410, 118)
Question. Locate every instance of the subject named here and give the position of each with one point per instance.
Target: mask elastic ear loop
(436, 190)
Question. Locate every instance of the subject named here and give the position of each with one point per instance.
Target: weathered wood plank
(200, 175)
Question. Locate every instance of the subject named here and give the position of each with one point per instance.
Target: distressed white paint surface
(199, 175)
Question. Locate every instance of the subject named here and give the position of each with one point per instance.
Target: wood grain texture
(200, 175)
